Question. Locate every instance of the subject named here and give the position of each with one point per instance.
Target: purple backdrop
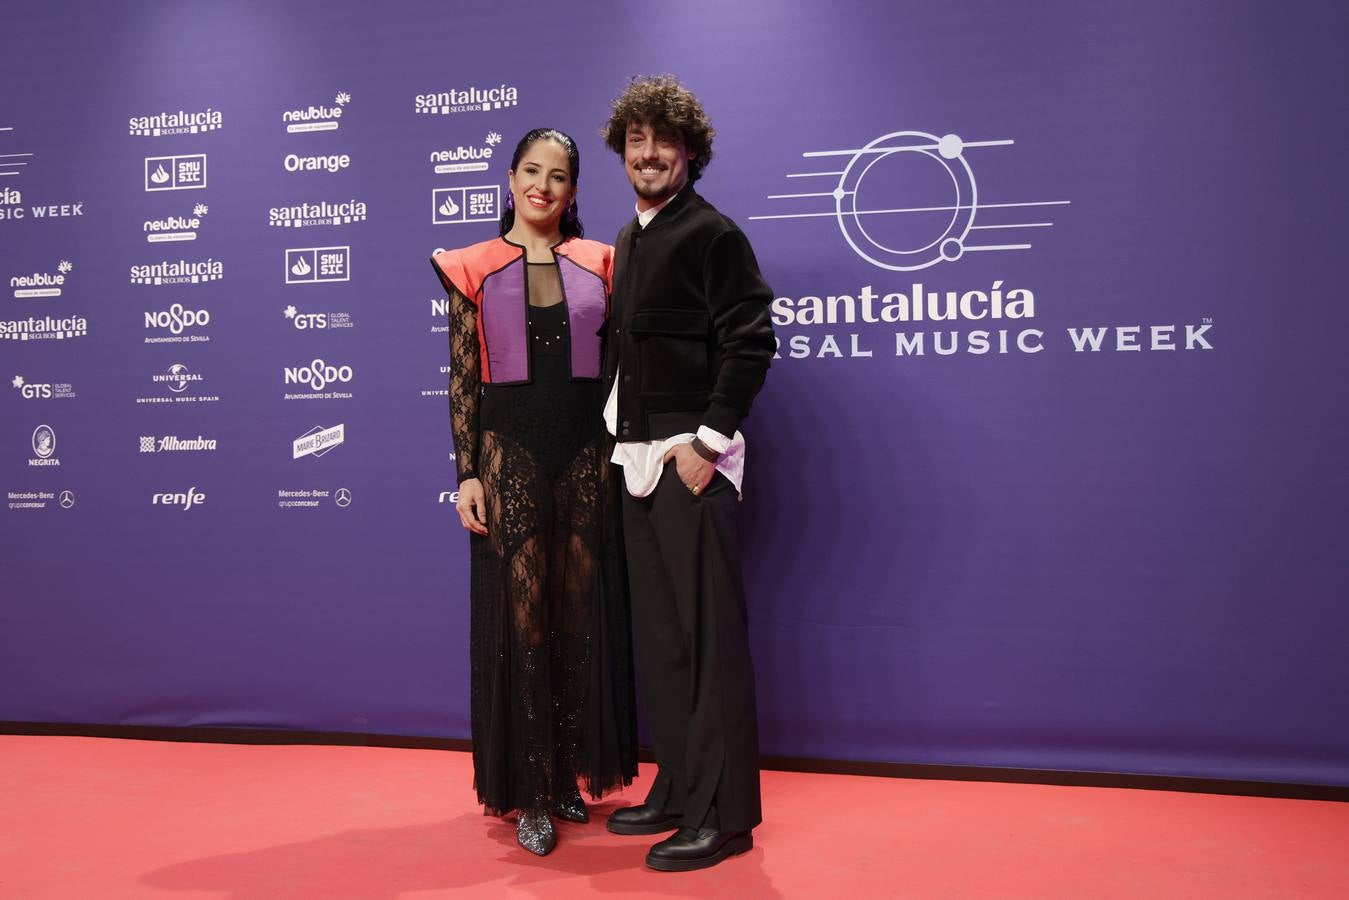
(1119, 559)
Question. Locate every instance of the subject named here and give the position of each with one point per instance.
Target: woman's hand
(472, 506)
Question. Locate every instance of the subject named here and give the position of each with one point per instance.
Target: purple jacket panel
(584, 291)
(504, 325)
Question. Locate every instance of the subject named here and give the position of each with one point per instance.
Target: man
(689, 343)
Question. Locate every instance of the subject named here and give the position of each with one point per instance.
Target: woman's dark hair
(670, 109)
(570, 226)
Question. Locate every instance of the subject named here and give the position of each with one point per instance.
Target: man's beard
(654, 194)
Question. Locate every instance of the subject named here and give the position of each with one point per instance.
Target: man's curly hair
(670, 109)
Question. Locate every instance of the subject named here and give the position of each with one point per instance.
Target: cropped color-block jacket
(492, 276)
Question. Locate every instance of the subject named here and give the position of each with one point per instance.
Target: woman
(551, 684)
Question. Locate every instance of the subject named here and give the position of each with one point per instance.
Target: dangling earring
(510, 200)
(570, 215)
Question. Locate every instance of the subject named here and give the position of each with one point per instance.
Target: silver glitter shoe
(572, 809)
(534, 831)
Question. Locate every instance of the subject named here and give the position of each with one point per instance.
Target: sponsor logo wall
(1038, 366)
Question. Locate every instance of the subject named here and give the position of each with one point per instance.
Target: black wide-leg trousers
(689, 623)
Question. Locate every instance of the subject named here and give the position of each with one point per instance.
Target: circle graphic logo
(342, 498)
(67, 499)
(930, 170)
(908, 200)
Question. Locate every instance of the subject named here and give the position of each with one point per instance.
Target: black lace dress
(551, 667)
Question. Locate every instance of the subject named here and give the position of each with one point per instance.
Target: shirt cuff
(714, 439)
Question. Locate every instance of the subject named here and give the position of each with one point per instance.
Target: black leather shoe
(697, 848)
(642, 819)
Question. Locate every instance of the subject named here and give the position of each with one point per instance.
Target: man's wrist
(703, 450)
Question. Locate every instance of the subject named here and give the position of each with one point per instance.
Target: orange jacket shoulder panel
(592, 255)
(466, 268)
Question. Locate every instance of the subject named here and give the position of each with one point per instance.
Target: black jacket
(689, 328)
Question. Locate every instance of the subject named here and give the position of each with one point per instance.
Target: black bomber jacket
(689, 326)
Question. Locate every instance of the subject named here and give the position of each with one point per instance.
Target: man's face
(657, 164)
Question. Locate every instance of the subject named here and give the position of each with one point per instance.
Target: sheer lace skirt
(551, 674)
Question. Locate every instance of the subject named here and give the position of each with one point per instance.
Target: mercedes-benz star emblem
(342, 497)
(67, 499)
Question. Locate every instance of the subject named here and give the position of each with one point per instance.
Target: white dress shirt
(643, 461)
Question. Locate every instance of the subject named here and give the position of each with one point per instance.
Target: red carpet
(89, 819)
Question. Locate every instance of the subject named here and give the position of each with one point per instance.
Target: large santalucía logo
(908, 200)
